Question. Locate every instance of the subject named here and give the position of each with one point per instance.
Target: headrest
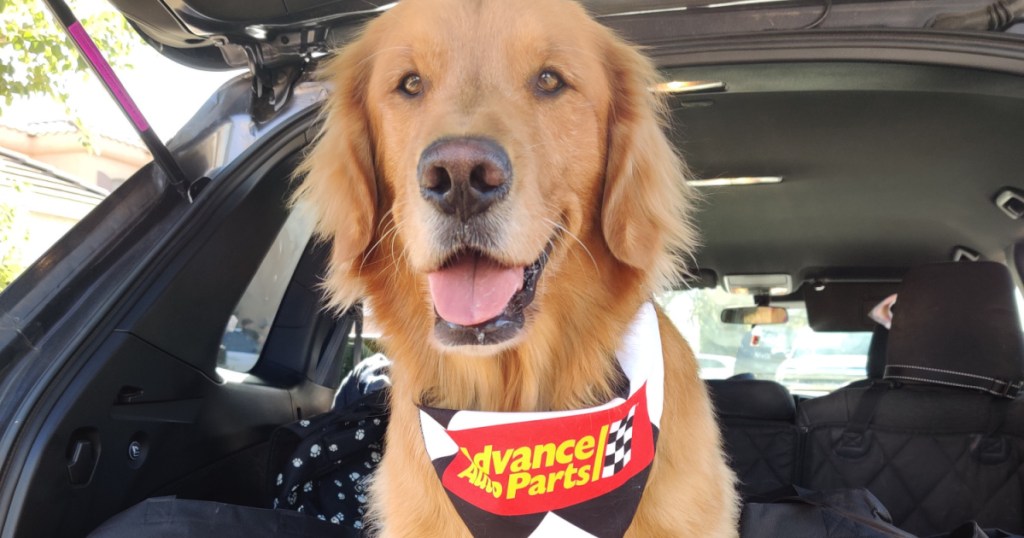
(956, 324)
(752, 398)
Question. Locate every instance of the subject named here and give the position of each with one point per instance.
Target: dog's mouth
(479, 301)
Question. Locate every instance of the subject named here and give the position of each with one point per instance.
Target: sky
(167, 93)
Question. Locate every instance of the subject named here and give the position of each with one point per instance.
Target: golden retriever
(514, 143)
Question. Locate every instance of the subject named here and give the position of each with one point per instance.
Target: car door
(111, 347)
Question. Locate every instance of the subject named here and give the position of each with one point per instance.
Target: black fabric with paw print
(319, 467)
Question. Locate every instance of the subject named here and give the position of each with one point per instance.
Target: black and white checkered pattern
(607, 515)
(620, 443)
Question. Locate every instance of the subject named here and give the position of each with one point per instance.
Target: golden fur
(593, 169)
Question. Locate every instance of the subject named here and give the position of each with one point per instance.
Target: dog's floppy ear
(646, 210)
(340, 182)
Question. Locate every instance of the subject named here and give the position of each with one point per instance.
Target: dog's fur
(593, 170)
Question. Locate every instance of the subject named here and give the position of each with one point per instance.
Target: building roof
(44, 179)
(66, 127)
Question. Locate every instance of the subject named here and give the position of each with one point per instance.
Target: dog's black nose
(464, 176)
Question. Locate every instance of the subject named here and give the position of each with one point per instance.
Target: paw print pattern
(347, 462)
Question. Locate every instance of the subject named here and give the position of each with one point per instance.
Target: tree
(12, 236)
(37, 57)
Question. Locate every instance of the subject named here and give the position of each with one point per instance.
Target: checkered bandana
(562, 474)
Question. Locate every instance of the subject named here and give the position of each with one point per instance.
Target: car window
(807, 362)
(1020, 308)
(246, 329)
(60, 159)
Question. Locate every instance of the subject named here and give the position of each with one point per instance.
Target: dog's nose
(464, 176)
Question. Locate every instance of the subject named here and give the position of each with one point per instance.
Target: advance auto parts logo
(542, 465)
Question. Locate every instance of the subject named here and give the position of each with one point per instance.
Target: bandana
(566, 474)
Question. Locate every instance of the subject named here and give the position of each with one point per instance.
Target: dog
(495, 182)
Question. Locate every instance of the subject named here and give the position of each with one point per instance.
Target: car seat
(757, 418)
(940, 440)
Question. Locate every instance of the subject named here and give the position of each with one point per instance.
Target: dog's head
(491, 162)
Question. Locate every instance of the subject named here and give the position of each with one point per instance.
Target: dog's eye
(411, 85)
(550, 82)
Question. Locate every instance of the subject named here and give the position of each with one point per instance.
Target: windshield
(809, 363)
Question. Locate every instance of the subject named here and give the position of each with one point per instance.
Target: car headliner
(886, 164)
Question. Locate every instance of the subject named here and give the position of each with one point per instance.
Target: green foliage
(37, 57)
(10, 242)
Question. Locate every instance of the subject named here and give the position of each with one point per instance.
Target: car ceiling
(885, 166)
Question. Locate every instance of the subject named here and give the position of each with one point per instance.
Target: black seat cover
(958, 326)
(941, 440)
(758, 427)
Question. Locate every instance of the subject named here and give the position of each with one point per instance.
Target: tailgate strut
(94, 57)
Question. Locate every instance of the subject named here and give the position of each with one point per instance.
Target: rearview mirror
(755, 315)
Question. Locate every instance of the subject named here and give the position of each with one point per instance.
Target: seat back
(757, 418)
(940, 440)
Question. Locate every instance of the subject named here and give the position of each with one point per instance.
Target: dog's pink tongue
(474, 289)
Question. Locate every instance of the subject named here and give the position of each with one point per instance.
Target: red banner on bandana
(543, 465)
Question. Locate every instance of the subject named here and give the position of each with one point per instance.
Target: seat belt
(331, 366)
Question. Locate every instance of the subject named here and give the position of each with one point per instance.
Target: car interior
(897, 156)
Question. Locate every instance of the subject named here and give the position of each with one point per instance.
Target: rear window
(808, 363)
(1020, 308)
(246, 329)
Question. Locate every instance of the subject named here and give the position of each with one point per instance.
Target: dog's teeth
(480, 337)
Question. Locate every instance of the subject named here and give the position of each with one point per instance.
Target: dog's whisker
(573, 236)
(390, 231)
(395, 259)
(391, 227)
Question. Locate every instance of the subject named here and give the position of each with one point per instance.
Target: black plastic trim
(993, 52)
(89, 311)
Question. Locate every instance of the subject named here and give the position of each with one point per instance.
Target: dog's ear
(646, 210)
(338, 176)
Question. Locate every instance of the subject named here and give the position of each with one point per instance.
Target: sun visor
(844, 306)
